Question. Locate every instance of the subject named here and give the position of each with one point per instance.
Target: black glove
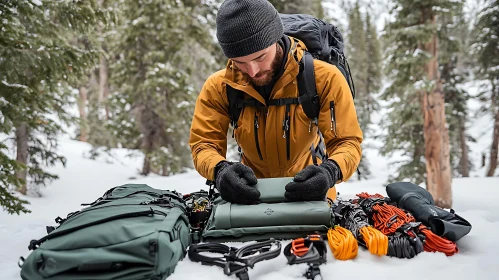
(313, 182)
(235, 182)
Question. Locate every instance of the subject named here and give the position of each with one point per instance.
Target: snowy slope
(84, 180)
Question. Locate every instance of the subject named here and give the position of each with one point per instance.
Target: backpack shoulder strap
(235, 98)
(310, 102)
(307, 88)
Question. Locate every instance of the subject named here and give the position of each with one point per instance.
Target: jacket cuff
(211, 167)
(335, 168)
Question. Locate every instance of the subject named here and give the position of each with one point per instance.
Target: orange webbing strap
(376, 241)
(342, 243)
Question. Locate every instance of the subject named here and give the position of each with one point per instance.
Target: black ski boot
(419, 202)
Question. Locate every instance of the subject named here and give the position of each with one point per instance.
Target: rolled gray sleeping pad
(272, 189)
(230, 215)
(274, 217)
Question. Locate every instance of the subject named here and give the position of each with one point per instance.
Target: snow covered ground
(83, 180)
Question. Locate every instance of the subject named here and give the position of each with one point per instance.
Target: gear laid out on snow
(235, 260)
(420, 203)
(407, 237)
(140, 232)
(310, 250)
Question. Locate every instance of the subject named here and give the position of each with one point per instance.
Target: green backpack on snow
(131, 232)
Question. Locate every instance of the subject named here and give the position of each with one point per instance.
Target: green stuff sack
(131, 232)
(274, 217)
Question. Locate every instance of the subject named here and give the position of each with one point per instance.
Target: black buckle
(33, 244)
(313, 272)
(315, 256)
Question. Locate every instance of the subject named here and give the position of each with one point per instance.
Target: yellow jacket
(208, 137)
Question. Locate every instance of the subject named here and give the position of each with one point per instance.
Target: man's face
(260, 67)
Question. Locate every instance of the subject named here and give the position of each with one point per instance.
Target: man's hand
(235, 182)
(313, 182)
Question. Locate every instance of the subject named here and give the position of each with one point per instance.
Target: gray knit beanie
(247, 26)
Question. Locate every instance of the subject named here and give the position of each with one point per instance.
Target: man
(275, 140)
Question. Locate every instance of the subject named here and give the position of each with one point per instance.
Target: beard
(265, 77)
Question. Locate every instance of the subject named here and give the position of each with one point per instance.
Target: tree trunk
(22, 137)
(495, 136)
(146, 167)
(82, 101)
(166, 171)
(103, 85)
(464, 167)
(436, 136)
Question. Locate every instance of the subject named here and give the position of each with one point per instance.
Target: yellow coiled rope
(342, 243)
(376, 241)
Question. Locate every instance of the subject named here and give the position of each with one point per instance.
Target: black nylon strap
(307, 88)
(234, 96)
(248, 103)
(283, 101)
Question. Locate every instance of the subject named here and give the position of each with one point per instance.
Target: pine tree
(94, 91)
(485, 49)
(311, 7)
(38, 63)
(374, 65)
(413, 68)
(154, 98)
(452, 39)
(364, 55)
(357, 53)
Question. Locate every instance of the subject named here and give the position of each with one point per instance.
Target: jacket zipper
(256, 137)
(285, 127)
(34, 243)
(333, 118)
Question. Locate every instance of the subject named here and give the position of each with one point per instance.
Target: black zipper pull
(333, 118)
(256, 126)
(286, 131)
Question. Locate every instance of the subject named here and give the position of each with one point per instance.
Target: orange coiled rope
(390, 219)
(435, 243)
(355, 219)
(342, 243)
(376, 241)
